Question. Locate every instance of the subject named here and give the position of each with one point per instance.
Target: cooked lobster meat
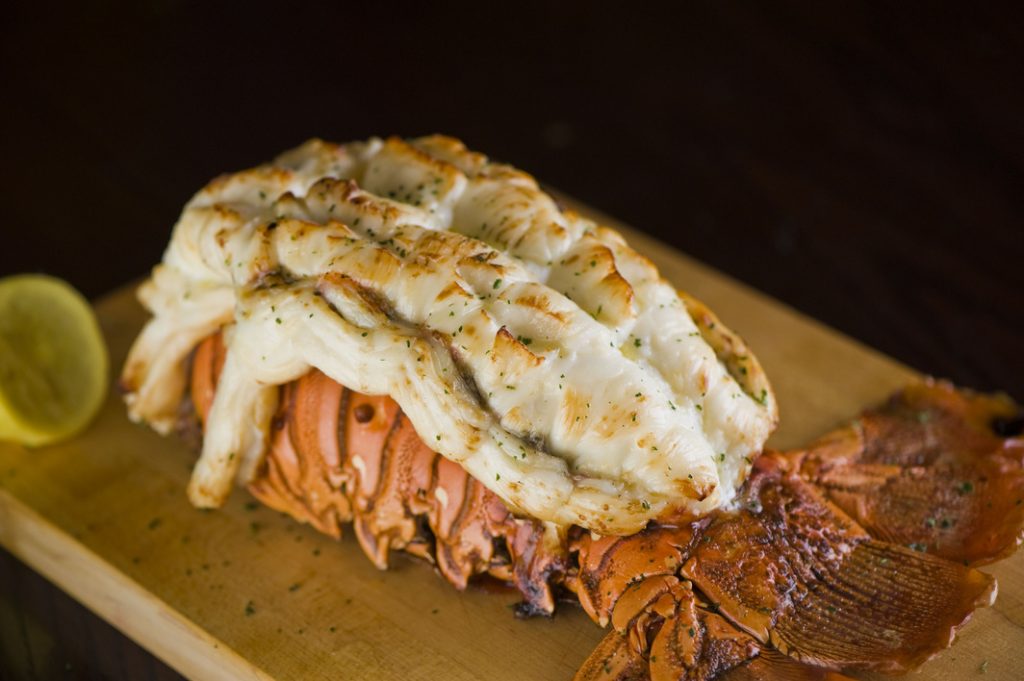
(408, 337)
(528, 345)
(785, 585)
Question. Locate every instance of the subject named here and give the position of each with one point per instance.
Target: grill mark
(378, 301)
(464, 379)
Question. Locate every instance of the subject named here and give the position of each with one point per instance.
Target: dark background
(861, 162)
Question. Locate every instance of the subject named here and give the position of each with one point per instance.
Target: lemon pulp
(53, 361)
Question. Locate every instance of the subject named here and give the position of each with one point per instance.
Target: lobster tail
(675, 636)
(425, 275)
(337, 457)
(796, 572)
(790, 585)
(788, 572)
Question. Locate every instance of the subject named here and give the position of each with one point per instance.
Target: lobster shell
(798, 583)
(339, 457)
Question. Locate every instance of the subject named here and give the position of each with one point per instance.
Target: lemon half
(53, 361)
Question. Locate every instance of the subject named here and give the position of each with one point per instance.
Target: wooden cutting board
(245, 593)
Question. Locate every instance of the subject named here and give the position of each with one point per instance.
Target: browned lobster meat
(831, 563)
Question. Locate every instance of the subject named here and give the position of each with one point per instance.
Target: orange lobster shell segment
(796, 583)
(337, 456)
(608, 566)
(796, 572)
(936, 469)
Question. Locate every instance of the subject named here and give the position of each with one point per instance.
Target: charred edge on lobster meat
(798, 583)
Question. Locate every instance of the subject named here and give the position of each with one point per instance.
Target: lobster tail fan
(675, 637)
(797, 573)
(937, 469)
(885, 607)
(770, 665)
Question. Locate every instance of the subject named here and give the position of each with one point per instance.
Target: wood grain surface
(246, 593)
(861, 161)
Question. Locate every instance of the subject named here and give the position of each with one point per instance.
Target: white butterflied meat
(524, 342)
